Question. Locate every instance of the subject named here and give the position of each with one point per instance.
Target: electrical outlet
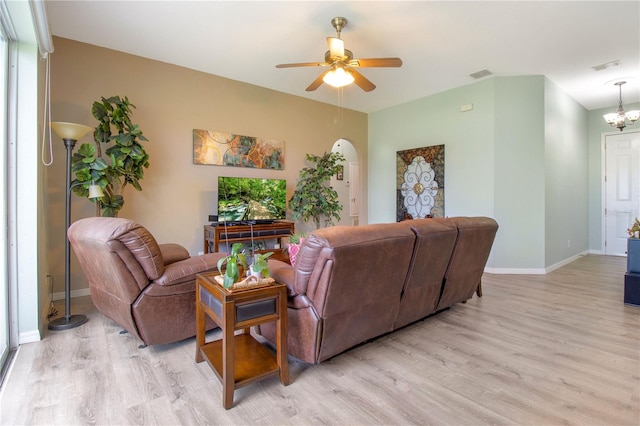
(568, 243)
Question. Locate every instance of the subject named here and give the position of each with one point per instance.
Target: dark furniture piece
(352, 284)
(220, 236)
(145, 287)
(632, 277)
(238, 359)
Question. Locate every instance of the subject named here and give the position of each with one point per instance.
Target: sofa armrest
(283, 273)
(186, 270)
(172, 253)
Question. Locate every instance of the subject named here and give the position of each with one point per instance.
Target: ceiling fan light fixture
(338, 77)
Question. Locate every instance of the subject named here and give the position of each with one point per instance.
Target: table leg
(200, 327)
(281, 339)
(228, 356)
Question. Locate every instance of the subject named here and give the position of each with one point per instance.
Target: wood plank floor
(558, 349)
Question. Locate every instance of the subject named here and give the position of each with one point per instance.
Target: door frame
(603, 183)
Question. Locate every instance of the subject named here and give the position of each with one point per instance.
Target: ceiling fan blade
(303, 64)
(317, 82)
(336, 47)
(376, 62)
(362, 81)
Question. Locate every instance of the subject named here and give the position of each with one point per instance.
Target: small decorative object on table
(634, 231)
(260, 267)
(236, 263)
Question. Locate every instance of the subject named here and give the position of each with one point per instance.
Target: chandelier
(619, 118)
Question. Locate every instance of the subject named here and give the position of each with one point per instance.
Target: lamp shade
(69, 130)
(336, 47)
(633, 115)
(95, 191)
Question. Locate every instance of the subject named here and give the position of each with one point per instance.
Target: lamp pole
(70, 133)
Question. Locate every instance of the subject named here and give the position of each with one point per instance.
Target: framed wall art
(420, 183)
(226, 149)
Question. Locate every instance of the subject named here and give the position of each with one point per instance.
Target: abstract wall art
(225, 149)
(420, 183)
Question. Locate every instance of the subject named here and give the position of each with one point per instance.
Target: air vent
(480, 74)
(605, 66)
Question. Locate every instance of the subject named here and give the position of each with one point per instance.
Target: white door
(622, 189)
(354, 186)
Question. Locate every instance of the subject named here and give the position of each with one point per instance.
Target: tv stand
(220, 234)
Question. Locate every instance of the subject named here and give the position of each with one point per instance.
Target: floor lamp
(69, 133)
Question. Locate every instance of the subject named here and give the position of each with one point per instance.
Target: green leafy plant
(124, 161)
(313, 199)
(260, 265)
(235, 262)
(635, 228)
(297, 237)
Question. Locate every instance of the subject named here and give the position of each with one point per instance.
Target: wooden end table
(239, 359)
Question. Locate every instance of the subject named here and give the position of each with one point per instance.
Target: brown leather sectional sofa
(352, 284)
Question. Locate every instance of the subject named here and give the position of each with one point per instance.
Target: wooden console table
(215, 236)
(239, 359)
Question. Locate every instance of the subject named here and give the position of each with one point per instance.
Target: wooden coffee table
(239, 359)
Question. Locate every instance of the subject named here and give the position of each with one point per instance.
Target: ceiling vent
(605, 66)
(481, 74)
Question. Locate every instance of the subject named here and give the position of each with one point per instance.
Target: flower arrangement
(634, 231)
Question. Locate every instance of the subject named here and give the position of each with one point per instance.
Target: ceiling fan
(341, 64)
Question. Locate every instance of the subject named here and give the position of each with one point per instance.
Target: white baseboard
(515, 271)
(74, 293)
(29, 337)
(535, 271)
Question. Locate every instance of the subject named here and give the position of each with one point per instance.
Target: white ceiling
(440, 42)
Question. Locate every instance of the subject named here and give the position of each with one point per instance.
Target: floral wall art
(225, 149)
(420, 183)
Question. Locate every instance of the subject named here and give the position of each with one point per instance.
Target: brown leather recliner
(145, 287)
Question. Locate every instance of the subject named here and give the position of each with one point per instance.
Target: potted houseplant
(633, 247)
(313, 199)
(236, 263)
(123, 162)
(260, 267)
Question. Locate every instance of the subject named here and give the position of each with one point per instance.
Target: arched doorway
(347, 184)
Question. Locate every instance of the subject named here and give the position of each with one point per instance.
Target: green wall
(519, 156)
(519, 164)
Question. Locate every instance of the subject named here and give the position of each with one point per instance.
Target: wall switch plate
(466, 107)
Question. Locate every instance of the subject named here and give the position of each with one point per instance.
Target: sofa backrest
(434, 244)
(469, 258)
(354, 276)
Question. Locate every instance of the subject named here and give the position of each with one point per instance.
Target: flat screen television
(256, 199)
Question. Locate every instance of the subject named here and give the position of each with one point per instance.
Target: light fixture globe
(338, 77)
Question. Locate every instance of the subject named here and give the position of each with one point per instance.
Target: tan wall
(171, 101)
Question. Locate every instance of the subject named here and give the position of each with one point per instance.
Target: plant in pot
(634, 231)
(313, 199)
(124, 160)
(633, 248)
(260, 267)
(236, 263)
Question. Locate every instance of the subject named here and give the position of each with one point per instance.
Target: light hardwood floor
(534, 350)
